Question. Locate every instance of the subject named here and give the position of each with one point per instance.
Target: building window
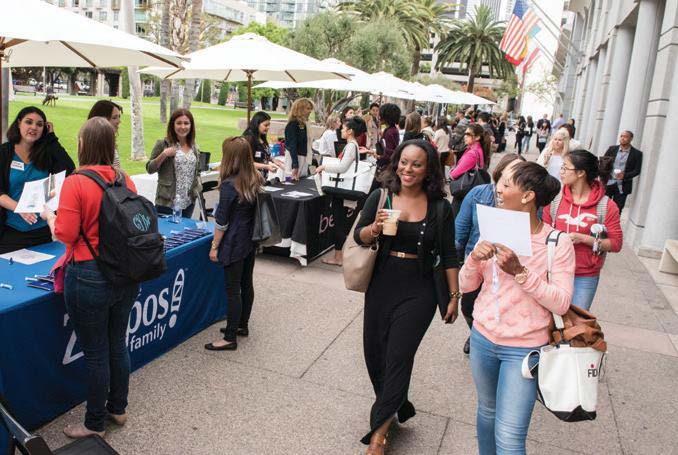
(76, 3)
(141, 29)
(103, 16)
(103, 3)
(116, 16)
(88, 14)
(88, 3)
(62, 3)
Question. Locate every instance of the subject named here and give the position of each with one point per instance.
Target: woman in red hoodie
(579, 211)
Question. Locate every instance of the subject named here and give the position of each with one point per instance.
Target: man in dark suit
(628, 161)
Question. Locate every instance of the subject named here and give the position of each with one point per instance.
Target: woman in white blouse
(552, 156)
(326, 142)
(350, 129)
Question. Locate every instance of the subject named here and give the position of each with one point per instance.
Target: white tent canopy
(435, 93)
(36, 33)
(381, 83)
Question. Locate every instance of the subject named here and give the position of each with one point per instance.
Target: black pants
(339, 215)
(619, 198)
(12, 240)
(443, 160)
(519, 143)
(399, 306)
(468, 300)
(240, 292)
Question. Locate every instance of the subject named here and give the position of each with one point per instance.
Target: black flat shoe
(232, 346)
(467, 346)
(242, 332)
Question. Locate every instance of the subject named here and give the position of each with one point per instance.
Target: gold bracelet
(215, 246)
(455, 295)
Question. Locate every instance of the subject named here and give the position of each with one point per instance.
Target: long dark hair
(253, 128)
(172, 134)
(38, 154)
(434, 183)
(484, 141)
(595, 167)
(103, 108)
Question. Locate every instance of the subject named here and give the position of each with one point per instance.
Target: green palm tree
(417, 19)
(474, 42)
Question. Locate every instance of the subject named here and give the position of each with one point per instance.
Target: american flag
(521, 25)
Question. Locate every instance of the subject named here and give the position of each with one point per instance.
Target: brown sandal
(377, 445)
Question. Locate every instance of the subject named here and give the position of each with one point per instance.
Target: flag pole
(568, 45)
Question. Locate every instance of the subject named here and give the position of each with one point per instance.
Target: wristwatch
(521, 277)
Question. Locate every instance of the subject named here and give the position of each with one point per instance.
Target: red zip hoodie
(572, 217)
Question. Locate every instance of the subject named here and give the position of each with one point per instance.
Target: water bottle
(176, 211)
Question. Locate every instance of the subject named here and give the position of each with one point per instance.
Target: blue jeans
(100, 311)
(505, 398)
(584, 291)
(526, 143)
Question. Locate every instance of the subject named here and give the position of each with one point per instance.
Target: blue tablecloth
(42, 370)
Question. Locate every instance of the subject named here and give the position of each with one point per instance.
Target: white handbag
(353, 184)
(567, 376)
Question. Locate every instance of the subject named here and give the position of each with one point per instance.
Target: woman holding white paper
(32, 152)
(351, 128)
(513, 310)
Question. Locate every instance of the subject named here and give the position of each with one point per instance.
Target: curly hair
(434, 182)
(390, 114)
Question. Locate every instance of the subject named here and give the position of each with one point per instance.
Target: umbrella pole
(249, 96)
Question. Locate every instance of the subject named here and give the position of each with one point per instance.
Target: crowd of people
(506, 299)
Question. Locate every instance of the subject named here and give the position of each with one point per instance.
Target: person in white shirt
(441, 139)
(329, 137)
(552, 156)
(351, 128)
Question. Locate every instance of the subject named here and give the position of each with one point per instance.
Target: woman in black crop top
(400, 301)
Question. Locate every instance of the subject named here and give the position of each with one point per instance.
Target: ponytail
(594, 167)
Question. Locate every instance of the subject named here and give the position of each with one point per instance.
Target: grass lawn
(213, 124)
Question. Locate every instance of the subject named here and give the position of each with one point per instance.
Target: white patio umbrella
(36, 33)
(251, 57)
(436, 93)
(381, 83)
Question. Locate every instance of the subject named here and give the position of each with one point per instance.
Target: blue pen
(11, 261)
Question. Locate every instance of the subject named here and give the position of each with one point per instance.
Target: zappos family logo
(148, 320)
(141, 221)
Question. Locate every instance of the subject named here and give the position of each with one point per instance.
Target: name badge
(257, 154)
(18, 165)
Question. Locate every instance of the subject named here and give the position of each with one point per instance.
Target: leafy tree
(272, 32)
(387, 53)
(125, 84)
(415, 19)
(474, 42)
(206, 91)
(223, 94)
(323, 35)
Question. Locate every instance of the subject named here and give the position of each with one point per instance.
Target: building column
(589, 95)
(614, 102)
(662, 214)
(603, 81)
(595, 98)
(641, 68)
(654, 124)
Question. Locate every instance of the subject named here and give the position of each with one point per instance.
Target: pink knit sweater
(510, 314)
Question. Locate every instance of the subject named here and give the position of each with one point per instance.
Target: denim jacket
(467, 231)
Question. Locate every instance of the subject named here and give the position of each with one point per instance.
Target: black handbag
(442, 290)
(266, 225)
(460, 187)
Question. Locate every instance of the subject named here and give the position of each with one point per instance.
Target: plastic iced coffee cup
(391, 223)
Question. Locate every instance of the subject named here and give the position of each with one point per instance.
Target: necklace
(538, 228)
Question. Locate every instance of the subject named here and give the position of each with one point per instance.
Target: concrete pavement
(298, 384)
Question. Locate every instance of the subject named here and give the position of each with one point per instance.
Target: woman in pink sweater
(513, 311)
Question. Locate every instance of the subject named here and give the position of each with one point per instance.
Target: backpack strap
(601, 209)
(551, 243)
(555, 205)
(119, 178)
